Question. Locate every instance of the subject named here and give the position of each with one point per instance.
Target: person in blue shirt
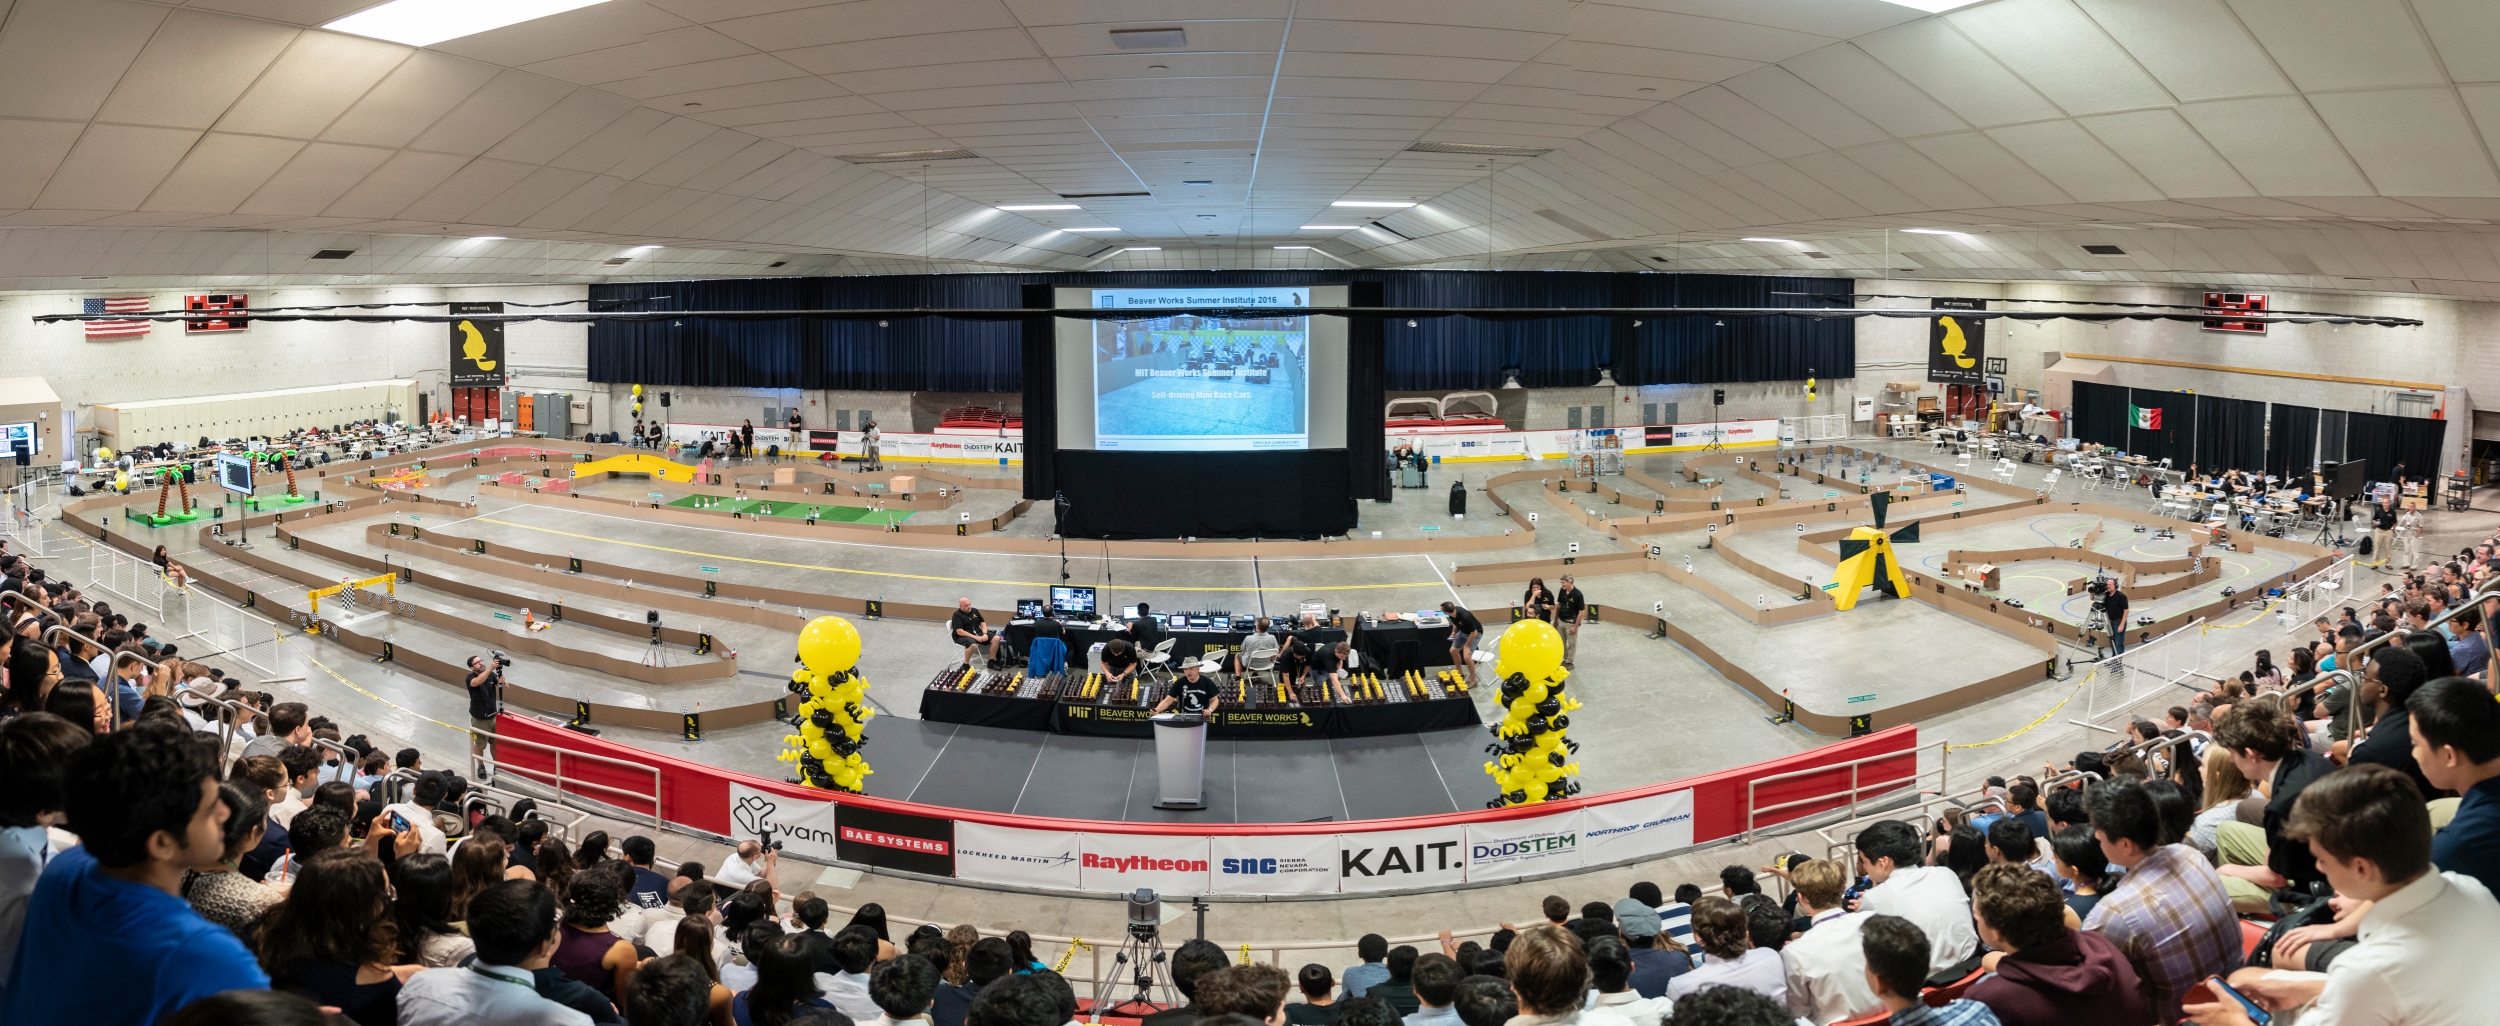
(107, 930)
(650, 888)
(1373, 949)
(2456, 740)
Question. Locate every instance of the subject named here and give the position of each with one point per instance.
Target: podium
(1180, 760)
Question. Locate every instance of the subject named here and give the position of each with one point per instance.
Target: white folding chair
(1158, 663)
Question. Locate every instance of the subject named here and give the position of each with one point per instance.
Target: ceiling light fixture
(1387, 204)
(1039, 206)
(427, 22)
(1932, 6)
(1073, 230)
(1139, 249)
(484, 238)
(1293, 247)
(1329, 227)
(642, 249)
(1934, 231)
(1791, 242)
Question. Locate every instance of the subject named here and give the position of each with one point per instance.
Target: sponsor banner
(1392, 860)
(895, 840)
(1016, 857)
(1523, 847)
(1640, 828)
(1723, 432)
(695, 434)
(1121, 863)
(803, 828)
(1957, 347)
(1273, 864)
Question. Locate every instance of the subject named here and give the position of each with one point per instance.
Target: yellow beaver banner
(476, 347)
(1957, 347)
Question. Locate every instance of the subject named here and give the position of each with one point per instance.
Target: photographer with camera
(2111, 602)
(756, 860)
(485, 685)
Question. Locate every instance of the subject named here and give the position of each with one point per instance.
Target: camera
(499, 659)
(766, 840)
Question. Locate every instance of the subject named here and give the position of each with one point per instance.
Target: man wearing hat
(1194, 692)
(1653, 964)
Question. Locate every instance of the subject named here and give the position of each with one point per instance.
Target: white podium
(1180, 760)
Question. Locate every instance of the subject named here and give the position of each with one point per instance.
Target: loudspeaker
(663, 400)
(1718, 397)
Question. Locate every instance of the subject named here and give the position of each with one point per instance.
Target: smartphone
(2256, 1013)
(399, 824)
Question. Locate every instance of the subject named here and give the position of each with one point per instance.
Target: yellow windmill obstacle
(636, 463)
(389, 582)
(1866, 557)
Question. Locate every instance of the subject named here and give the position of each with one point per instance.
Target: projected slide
(1187, 383)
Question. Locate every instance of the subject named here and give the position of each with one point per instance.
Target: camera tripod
(1144, 950)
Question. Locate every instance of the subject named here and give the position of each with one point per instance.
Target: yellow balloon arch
(834, 710)
(1533, 763)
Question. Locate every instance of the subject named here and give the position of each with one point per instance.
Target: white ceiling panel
(220, 172)
(64, 56)
(114, 167)
(596, 27)
(1743, 119)
(411, 98)
(2467, 34)
(391, 187)
(2278, 145)
(494, 112)
(2162, 147)
(562, 127)
(319, 77)
(29, 152)
(1783, 95)
(597, 67)
(861, 19)
(192, 70)
(2411, 142)
(320, 173)
(1914, 173)
(1957, 73)
(2055, 48)
(2070, 157)
(2342, 44)
(2003, 178)
(1614, 58)
(1863, 84)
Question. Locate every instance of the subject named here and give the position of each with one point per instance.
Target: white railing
(1824, 428)
(134, 579)
(2165, 669)
(564, 782)
(2315, 596)
(25, 530)
(223, 629)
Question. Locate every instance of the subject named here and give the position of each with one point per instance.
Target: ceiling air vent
(614, 261)
(2104, 251)
(1478, 151)
(334, 254)
(1149, 38)
(906, 156)
(1818, 254)
(1101, 195)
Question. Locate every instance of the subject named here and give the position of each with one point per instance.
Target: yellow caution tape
(2044, 717)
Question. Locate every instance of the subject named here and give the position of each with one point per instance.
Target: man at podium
(1193, 693)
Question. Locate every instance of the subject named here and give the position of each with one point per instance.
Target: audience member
(903, 989)
(1399, 989)
(1655, 960)
(2043, 972)
(650, 888)
(1549, 972)
(2082, 868)
(35, 749)
(785, 984)
(2170, 914)
(1436, 979)
(1029, 1001)
(2456, 741)
(106, 929)
(1610, 975)
(1318, 1006)
(1373, 950)
(671, 991)
(851, 952)
(1897, 955)
(1485, 1001)
(1254, 991)
(1729, 1006)
(334, 940)
(591, 953)
(2394, 675)
(514, 926)
(2258, 860)
(1198, 957)
(1725, 934)
(1825, 968)
(1930, 896)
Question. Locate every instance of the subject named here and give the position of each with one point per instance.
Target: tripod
(657, 657)
(1143, 949)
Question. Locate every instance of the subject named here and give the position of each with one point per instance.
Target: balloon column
(637, 402)
(1531, 755)
(826, 748)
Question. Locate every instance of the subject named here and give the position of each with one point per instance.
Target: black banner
(477, 348)
(894, 840)
(1957, 347)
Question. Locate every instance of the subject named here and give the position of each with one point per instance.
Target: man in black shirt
(2260, 744)
(2382, 523)
(1194, 692)
(485, 685)
(1146, 631)
(1570, 607)
(970, 632)
(1465, 631)
(2115, 606)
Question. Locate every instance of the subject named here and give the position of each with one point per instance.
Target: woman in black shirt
(1538, 602)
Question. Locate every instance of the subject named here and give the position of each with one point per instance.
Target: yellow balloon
(104, 454)
(637, 389)
(1532, 647)
(822, 750)
(1534, 789)
(830, 643)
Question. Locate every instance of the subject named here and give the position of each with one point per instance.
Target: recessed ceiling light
(484, 238)
(1089, 229)
(642, 249)
(1932, 231)
(427, 22)
(1932, 6)
(1371, 203)
(1293, 247)
(1791, 242)
(1139, 249)
(1328, 227)
(1039, 206)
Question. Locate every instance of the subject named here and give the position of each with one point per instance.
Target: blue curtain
(1447, 352)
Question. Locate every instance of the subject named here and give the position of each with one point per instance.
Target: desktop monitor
(1177, 621)
(1030, 609)
(1067, 599)
(1223, 623)
(1200, 622)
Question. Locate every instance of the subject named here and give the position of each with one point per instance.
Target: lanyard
(483, 971)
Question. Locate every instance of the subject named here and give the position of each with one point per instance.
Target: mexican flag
(2148, 418)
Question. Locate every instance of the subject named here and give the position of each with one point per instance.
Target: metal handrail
(494, 799)
(1856, 789)
(559, 781)
(201, 694)
(1919, 815)
(111, 701)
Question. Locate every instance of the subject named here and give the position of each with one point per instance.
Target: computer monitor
(1030, 609)
(1223, 623)
(1200, 622)
(1067, 599)
(1128, 612)
(1177, 621)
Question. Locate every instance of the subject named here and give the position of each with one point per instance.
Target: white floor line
(1445, 580)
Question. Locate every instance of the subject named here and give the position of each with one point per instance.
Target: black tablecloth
(1190, 644)
(1230, 723)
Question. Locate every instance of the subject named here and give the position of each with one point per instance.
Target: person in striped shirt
(1675, 918)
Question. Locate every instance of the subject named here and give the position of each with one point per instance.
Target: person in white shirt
(303, 771)
(1826, 968)
(1929, 896)
(854, 951)
(417, 815)
(2424, 953)
(753, 862)
(1610, 979)
(514, 925)
(1725, 934)
(904, 987)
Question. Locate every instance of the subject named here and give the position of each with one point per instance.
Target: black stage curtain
(2391, 442)
(1454, 352)
(2230, 433)
(1125, 495)
(2176, 439)
(2100, 414)
(2292, 441)
(1041, 394)
(1366, 378)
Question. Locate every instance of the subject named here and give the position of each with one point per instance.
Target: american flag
(115, 329)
